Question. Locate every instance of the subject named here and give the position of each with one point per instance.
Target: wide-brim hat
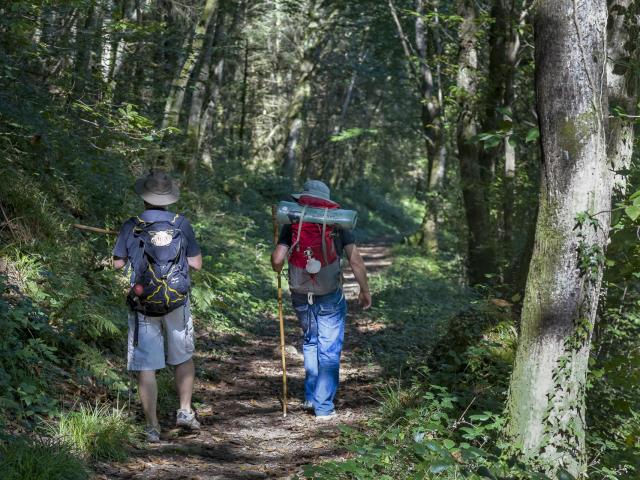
(157, 189)
(315, 189)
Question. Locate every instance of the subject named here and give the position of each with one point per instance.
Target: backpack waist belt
(312, 298)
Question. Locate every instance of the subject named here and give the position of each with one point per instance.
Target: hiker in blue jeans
(316, 294)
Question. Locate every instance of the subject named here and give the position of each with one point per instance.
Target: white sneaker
(152, 434)
(328, 417)
(187, 419)
(307, 406)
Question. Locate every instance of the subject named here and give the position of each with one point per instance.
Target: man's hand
(278, 257)
(195, 262)
(360, 272)
(364, 297)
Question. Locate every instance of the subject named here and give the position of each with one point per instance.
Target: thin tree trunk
(202, 75)
(481, 250)
(497, 78)
(509, 174)
(430, 119)
(243, 99)
(546, 404)
(314, 45)
(175, 99)
(620, 90)
(83, 44)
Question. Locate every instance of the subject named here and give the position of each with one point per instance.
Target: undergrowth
(448, 352)
(22, 459)
(98, 432)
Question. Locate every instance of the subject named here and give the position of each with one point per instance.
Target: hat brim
(158, 200)
(307, 194)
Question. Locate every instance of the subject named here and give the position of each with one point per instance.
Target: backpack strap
(304, 209)
(324, 232)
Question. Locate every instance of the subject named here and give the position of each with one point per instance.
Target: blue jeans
(323, 329)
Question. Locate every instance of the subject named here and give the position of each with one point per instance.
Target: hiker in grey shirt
(161, 248)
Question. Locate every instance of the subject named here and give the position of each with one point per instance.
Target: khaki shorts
(172, 333)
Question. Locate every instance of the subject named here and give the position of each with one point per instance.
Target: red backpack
(314, 265)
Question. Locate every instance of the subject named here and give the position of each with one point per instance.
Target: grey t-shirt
(125, 237)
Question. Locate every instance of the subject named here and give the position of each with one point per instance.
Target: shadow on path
(244, 435)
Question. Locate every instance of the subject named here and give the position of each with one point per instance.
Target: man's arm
(118, 263)
(360, 272)
(195, 262)
(278, 257)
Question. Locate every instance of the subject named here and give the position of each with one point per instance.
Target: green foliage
(28, 356)
(455, 348)
(98, 432)
(22, 458)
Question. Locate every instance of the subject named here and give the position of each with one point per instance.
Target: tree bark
(314, 43)
(481, 250)
(431, 110)
(546, 404)
(620, 89)
(175, 99)
(202, 74)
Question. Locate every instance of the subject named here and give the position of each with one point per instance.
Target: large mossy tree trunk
(481, 245)
(546, 402)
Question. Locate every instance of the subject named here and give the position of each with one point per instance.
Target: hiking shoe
(152, 434)
(307, 406)
(327, 417)
(187, 419)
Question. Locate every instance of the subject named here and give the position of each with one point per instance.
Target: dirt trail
(244, 434)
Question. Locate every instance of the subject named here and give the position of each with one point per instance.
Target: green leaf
(484, 472)
(439, 467)
(449, 444)
(632, 212)
(564, 475)
(480, 417)
(532, 135)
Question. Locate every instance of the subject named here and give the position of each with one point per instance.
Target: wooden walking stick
(284, 362)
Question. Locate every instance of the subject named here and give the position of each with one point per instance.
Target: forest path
(237, 395)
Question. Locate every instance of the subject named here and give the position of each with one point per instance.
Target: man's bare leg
(185, 375)
(148, 389)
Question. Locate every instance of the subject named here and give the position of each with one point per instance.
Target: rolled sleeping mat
(290, 212)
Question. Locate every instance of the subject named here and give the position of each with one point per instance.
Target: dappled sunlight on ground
(237, 395)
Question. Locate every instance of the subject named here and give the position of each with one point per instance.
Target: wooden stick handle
(94, 229)
(281, 319)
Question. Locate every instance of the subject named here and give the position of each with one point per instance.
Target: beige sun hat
(157, 189)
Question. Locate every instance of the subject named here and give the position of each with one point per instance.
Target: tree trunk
(497, 78)
(481, 251)
(430, 119)
(173, 105)
(546, 404)
(203, 72)
(243, 100)
(620, 91)
(314, 44)
(83, 44)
